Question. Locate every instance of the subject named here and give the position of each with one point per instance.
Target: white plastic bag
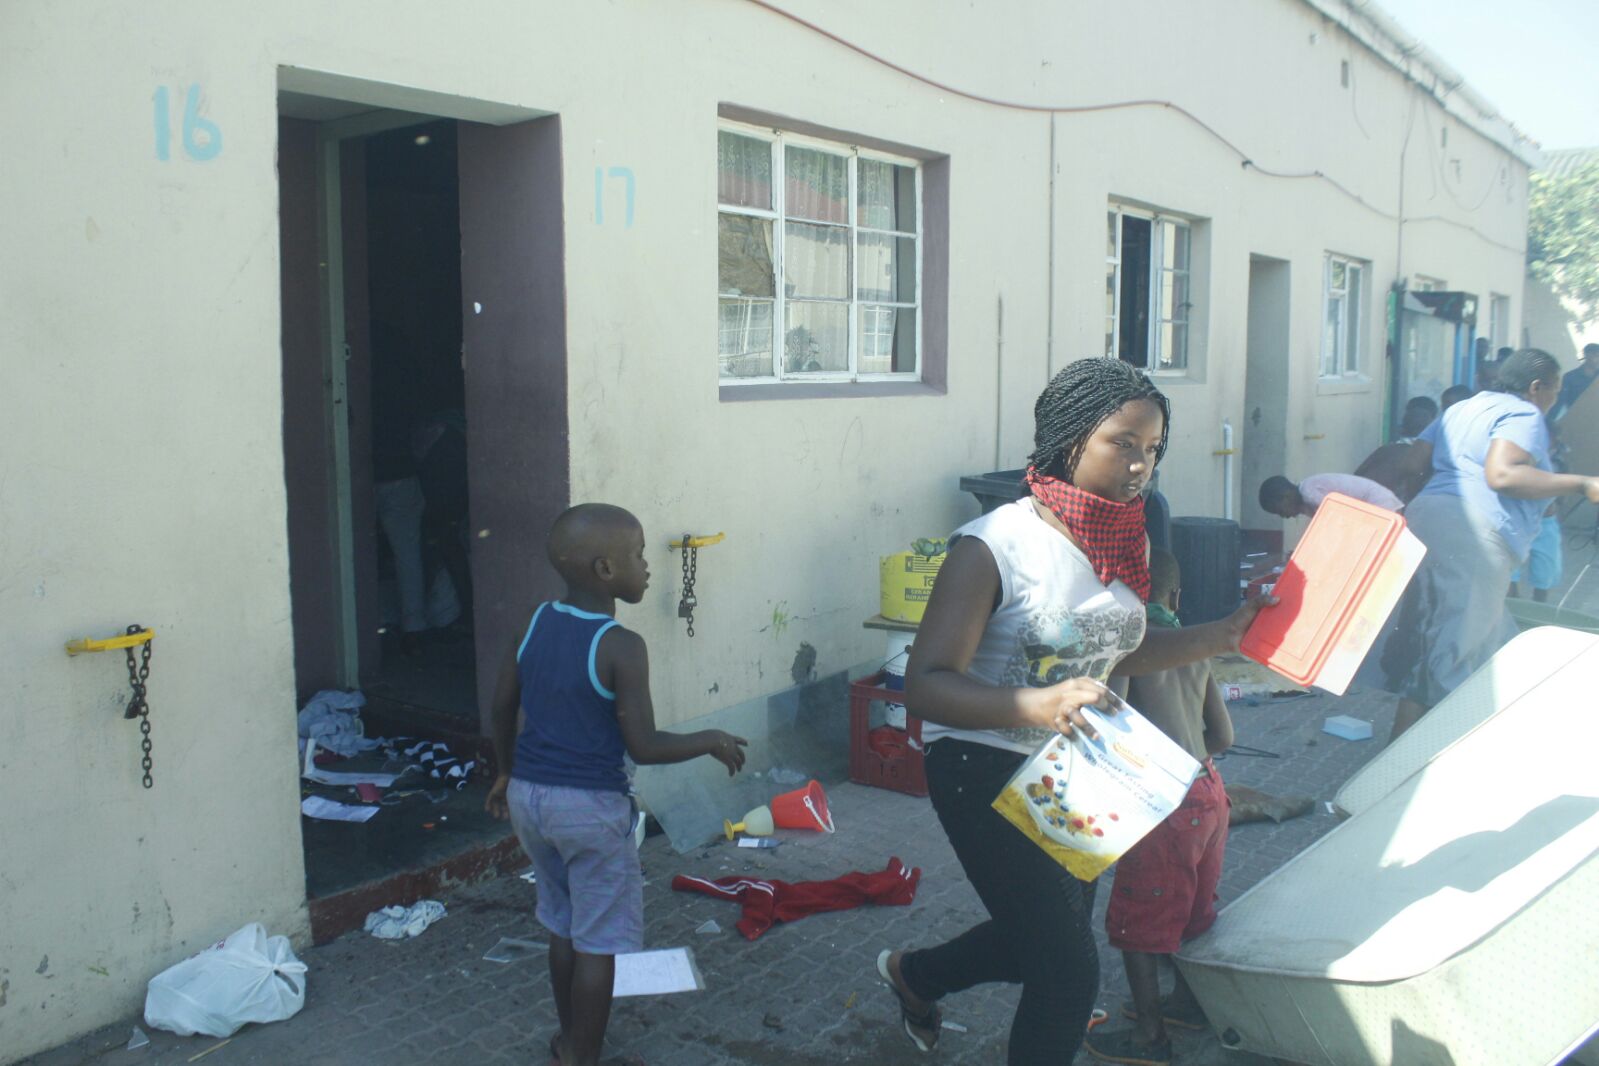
(249, 977)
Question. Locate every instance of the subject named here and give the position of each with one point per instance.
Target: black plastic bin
(1002, 486)
(1208, 550)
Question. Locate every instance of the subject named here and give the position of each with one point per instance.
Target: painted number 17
(202, 140)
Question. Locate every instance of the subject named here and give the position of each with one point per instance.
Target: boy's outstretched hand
(726, 749)
(495, 802)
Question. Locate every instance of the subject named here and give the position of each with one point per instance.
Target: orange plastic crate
(1335, 594)
(902, 771)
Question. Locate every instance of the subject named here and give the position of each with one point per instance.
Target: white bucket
(899, 645)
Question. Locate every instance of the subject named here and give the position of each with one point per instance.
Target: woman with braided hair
(1038, 603)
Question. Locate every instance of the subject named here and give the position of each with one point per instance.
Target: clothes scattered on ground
(766, 903)
(331, 719)
(431, 757)
(397, 923)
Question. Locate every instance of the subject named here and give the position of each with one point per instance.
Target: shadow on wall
(1556, 325)
(794, 735)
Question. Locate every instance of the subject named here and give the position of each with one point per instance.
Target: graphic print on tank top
(1056, 646)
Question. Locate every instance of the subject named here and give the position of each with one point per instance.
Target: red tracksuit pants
(766, 903)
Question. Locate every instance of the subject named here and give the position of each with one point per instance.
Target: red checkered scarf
(1111, 533)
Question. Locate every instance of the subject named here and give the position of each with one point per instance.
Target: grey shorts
(591, 890)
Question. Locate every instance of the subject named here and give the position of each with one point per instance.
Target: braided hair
(1077, 400)
(1518, 371)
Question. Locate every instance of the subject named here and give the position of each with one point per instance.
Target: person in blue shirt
(582, 685)
(1478, 514)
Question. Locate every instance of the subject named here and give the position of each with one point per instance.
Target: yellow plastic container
(906, 583)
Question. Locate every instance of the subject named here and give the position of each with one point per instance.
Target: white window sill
(826, 390)
(1343, 386)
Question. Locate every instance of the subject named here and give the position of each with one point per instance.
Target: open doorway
(1265, 438)
(425, 448)
(419, 475)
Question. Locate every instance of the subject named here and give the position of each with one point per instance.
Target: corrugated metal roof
(1563, 161)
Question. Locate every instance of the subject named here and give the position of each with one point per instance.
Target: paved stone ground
(802, 994)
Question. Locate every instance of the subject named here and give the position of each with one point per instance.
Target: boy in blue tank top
(582, 685)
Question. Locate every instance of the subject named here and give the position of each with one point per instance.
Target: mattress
(1451, 920)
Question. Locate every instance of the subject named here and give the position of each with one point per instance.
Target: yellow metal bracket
(1225, 451)
(699, 542)
(121, 640)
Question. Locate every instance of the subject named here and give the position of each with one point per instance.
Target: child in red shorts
(1165, 888)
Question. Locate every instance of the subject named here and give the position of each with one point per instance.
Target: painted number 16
(202, 140)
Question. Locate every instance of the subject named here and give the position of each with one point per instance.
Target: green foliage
(1563, 235)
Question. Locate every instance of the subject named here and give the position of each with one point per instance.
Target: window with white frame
(1498, 320)
(819, 252)
(1426, 283)
(1148, 288)
(1344, 316)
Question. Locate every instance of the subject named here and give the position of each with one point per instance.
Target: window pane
(886, 269)
(1352, 324)
(1110, 290)
(885, 196)
(1336, 276)
(743, 171)
(745, 341)
(817, 338)
(1110, 235)
(1174, 246)
(816, 261)
(744, 256)
(1329, 339)
(887, 337)
(1173, 345)
(1174, 296)
(815, 185)
(1134, 332)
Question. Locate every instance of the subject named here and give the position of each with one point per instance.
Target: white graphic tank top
(1055, 620)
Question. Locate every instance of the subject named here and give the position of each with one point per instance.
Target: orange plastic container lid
(1320, 590)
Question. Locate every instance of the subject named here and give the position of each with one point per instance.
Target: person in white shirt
(1283, 498)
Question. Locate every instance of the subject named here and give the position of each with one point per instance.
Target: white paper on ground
(312, 772)
(657, 973)
(331, 811)
(513, 949)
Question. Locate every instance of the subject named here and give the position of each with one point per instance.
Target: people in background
(1576, 382)
(439, 444)
(1453, 395)
(1283, 498)
(1165, 887)
(1418, 415)
(1478, 516)
(396, 489)
(1485, 363)
(1395, 465)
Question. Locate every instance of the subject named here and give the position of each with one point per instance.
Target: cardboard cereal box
(1086, 802)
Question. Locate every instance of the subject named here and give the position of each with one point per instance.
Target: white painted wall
(1557, 326)
(140, 414)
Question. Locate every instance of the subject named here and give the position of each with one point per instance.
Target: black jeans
(1039, 932)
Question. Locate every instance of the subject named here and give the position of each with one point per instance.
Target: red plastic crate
(901, 772)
